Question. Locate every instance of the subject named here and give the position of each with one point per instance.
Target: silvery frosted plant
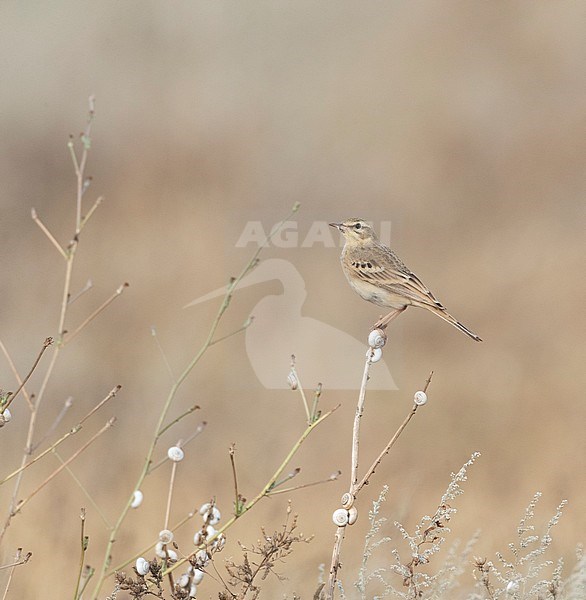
(425, 542)
(520, 575)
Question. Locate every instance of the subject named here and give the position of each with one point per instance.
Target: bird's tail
(446, 316)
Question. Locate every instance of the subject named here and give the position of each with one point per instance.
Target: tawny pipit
(378, 275)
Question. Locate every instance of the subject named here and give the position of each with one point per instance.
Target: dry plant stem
(355, 486)
(301, 390)
(46, 344)
(302, 486)
(268, 486)
(69, 460)
(335, 564)
(71, 432)
(85, 492)
(15, 373)
(86, 288)
(69, 256)
(357, 420)
(392, 441)
(18, 560)
(170, 494)
(232, 452)
(171, 396)
(174, 421)
(49, 235)
(58, 419)
(163, 353)
(96, 312)
(84, 543)
(235, 332)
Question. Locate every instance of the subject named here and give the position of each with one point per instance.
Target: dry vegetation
(394, 563)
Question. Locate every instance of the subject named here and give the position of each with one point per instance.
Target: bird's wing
(387, 271)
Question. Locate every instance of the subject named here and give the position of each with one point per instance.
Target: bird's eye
(357, 226)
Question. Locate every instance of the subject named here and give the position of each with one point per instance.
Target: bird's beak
(339, 226)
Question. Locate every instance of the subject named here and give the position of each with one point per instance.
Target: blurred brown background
(462, 123)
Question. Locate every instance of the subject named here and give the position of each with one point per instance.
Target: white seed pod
(512, 588)
(7, 415)
(203, 509)
(212, 516)
(159, 550)
(142, 566)
(172, 555)
(198, 538)
(352, 515)
(198, 575)
(137, 499)
(420, 398)
(165, 536)
(183, 581)
(374, 355)
(210, 532)
(377, 338)
(193, 591)
(175, 454)
(347, 500)
(340, 517)
(202, 557)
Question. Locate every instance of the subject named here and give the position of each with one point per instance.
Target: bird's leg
(384, 321)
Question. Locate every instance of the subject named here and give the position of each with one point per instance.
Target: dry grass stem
(11, 398)
(69, 460)
(95, 313)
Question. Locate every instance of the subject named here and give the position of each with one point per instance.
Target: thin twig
(170, 493)
(69, 460)
(316, 397)
(86, 288)
(84, 544)
(57, 421)
(294, 488)
(96, 312)
(84, 490)
(162, 352)
(16, 374)
(181, 416)
(49, 235)
(391, 443)
(237, 496)
(287, 477)
(244, 327)
(357, 420)
(300, 387)
(17, 560)
(71, 432)
(46, 344)
(90, 212)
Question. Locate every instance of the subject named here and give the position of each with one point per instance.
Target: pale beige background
(461, 123)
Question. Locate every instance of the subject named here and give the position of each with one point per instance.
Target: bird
(378, 275)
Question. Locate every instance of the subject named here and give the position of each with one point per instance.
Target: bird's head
(356, 231)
